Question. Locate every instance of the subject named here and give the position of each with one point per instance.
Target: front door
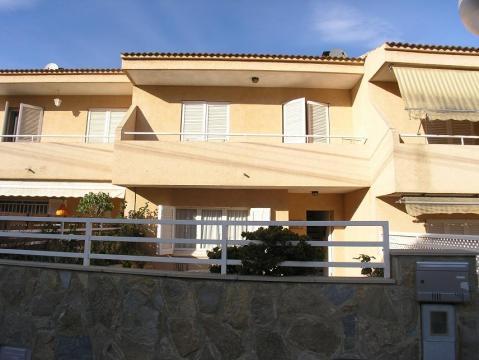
(320, 233)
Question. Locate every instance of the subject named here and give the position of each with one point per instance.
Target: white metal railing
(461, 138)
(38, 137)
(224, 137)
(87, 236)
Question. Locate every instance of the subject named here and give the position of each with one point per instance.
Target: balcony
(55, 157)
(246, 160)
(424, 167)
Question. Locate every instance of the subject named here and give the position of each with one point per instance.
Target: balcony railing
(219, 137)
(82, 138)
(444, 139)
(85, 233)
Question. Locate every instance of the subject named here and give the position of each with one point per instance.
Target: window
(439, 322)
(301, 117)
(102, 124)
(25, 208)
(208, 232)
(25, 120)
(451, 127)
(203, 121)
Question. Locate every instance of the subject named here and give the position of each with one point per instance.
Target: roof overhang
(64, 84)
(423, 57)
(332, 75)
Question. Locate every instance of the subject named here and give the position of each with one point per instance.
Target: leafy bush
(272, 246)
(95, 205)
(370, 272)
(105, 247)
(127, 248)
(233, 254)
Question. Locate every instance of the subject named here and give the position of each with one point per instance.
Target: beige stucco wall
(253, 110)
(233, 164)
(56, 161)
(68, 119)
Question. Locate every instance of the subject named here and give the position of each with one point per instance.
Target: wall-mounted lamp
(57, 102)
(255, 79)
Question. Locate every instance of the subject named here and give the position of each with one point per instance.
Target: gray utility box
(442, 282)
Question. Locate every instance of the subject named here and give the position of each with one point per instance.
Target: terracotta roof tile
(433, 48)
(60, 71)
(241, 57)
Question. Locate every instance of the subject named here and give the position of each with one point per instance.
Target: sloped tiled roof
(433, 48)
(240, 57)
(60, 71)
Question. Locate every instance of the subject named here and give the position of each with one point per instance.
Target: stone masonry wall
(68, 314)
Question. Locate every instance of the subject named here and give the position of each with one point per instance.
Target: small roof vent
(335, 53)
(51, 66)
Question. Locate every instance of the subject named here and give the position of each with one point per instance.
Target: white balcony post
(87, 244)
(387, 259)
(224, 248)
(462, 140)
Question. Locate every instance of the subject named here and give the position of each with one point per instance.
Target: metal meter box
(442, 282)
(438, 332)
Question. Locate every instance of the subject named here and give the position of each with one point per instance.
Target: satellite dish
(51, 66)
(469, 12)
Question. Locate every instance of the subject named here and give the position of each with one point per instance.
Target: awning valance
(422, 205)
(58, 189)
(440, 94)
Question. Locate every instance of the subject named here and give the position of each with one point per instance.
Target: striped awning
(440, 94)
(422, 205)
(58, 189)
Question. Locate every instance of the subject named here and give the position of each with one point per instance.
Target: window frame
(106, 130)
(205, 119)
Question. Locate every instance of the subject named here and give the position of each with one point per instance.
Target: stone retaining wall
(68, 314)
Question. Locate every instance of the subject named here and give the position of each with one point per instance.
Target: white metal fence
(85, 232)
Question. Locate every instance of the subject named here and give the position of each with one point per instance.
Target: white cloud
(16, 4)
(344, 24)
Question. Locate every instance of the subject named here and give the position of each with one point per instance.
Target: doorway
(320, 233)
(11, 122)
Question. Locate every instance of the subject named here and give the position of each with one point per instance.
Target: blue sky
(92, 33)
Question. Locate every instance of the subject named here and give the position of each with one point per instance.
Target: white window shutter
(97, 124)
(29, 122)
(193, 121)
(165, 231)
(116, 117)
(318, 121)
(217, 121)
(259, 214)
(5, 120)
(294, 121)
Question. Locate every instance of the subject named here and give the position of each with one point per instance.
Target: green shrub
(273, 245)
(95, 205)
(369, 272)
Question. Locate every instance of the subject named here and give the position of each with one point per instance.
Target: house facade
(389, 136)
